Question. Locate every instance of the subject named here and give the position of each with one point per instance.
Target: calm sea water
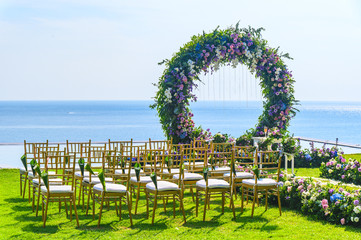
(119, 120)
(58, 121)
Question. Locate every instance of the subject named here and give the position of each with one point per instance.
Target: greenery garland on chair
(206, 53)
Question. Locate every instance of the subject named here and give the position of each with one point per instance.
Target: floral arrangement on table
(313, 157)
(328, 202)
(338, 168)
(206, 53)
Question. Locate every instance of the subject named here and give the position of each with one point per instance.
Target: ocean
(58, 121)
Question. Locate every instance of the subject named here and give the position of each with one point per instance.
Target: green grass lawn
(17, 221)
(356, 156)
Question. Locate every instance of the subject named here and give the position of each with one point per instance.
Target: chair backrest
(269, 164)
(126, 146)
(244, 157)
(58, 164)
(194, 158)
(159, 144)
(120, 168)
(154, 158)
(200, 143)
(76, 147)
(30, 150)
(40, 151)
(219, 158)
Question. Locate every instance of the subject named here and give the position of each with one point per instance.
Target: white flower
(357, 209)
(330, 171)
(287, 183)
(356, 219)
(351, 219)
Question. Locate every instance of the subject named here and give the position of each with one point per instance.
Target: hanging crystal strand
(208, 87)
(255, 87)
(219, 84)
(246, 80)
(240, 83)
(214, 88)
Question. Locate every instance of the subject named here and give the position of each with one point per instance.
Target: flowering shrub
(327, 202)
(313, 157)
(340, 169)
(207, 53)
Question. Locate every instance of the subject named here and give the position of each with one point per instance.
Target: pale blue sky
(109, 50)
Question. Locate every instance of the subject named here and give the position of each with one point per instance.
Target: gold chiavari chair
(110, 191)
(63, 192)
(76, 148)
(29, 154)
(164, 189)
(38, 149)
(266, 178)
(39, 160)
(192, 163)
(212, 186)
(78, 175)
(244, 158)
(96, 162)
(219, 157)
(138, 184)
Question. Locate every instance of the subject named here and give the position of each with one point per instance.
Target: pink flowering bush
(313, 157)
(338, 168)
(327, 202)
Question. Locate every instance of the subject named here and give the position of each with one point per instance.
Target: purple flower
(356, 202)
(330, 191)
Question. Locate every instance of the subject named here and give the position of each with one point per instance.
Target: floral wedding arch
(206, 53)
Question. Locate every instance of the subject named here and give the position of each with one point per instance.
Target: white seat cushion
(163, 186)
(110, 187)
(22, 170)
(195, 163)
(86, 174)
(265, 182)
(221, 169)
(142, 179)
(57, 189)
(172, 170)
(240, 175)
(189, 176)
(52, 181)
(30, 174)
(213, 183)
(96, 180)
(132, 172)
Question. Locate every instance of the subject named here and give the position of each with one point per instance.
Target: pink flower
(342, 221)
(343, 176)
(289, 189)
(324, 202)
(309, 187)
(300, 187)
(325, 206)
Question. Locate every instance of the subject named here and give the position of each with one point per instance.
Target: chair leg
(101, 209)
(174, 205)
(87, 205)
(155, 206)
(33, 202)
(255, 195)
(116, 207)
(130, 210)
(235, 191)
(242, 198)
(46, 210)
(25, 181)
(75, 211)
(71, 210)
(137, 200)
(66, 208)
(197, 202)
(164, 205)
(147, 198)
(37, 206)
(266, 199)
(120, 209)
(232, 207)
(279, 201)
(183, 211)
(205, 204)
(223, 202)
(29, 191)
(94, 206)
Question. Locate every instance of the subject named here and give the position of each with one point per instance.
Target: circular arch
(207, 53)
